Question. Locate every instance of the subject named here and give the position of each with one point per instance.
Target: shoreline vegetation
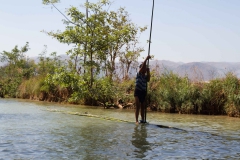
(167, 92)
(98, 70)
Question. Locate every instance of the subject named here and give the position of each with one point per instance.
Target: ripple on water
(33, 133)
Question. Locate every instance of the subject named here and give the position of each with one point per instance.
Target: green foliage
(30, 88)
(171, 93)
(10, 86)
(125, 90)
(48, 64)
(212, 98)
(60, 85)
(18, 67)
(178, 92)
(46, 2)
(231, 90)
(104, 90)
(99, 38)
(69, 86)
(154, 97)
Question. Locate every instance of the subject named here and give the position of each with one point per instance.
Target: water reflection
(139, 140)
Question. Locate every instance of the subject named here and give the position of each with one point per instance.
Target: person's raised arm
(144, 65)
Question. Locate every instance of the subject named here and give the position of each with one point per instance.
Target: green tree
(48, 64)
(100, 36)
(17, 67)
(15, 59)
(122, 33)
(130, 54)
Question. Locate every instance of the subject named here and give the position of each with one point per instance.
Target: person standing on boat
(143, 76)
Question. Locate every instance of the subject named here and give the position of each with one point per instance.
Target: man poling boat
(140, 99)
(140, 92)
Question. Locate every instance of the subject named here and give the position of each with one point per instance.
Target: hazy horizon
(183, 31)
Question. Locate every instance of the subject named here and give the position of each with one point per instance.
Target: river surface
(30, 130)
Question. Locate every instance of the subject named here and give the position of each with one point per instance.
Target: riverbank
(167, 93)
(65, 104)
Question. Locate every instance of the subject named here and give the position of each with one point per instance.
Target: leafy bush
(30, 88)
(231, 88)
(177, 92)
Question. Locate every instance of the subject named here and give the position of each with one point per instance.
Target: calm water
(28, 130)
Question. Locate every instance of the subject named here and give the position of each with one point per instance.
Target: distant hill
(194, 70)
(198, 70)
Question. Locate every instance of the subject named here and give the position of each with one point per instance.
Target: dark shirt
(141, 82)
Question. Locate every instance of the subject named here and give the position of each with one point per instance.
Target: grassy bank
(167, 92)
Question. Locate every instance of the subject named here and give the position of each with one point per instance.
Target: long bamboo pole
(149, 47)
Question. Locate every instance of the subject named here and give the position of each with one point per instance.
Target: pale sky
(183, 30)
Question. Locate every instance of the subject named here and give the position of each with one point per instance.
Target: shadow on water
(168, 127)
